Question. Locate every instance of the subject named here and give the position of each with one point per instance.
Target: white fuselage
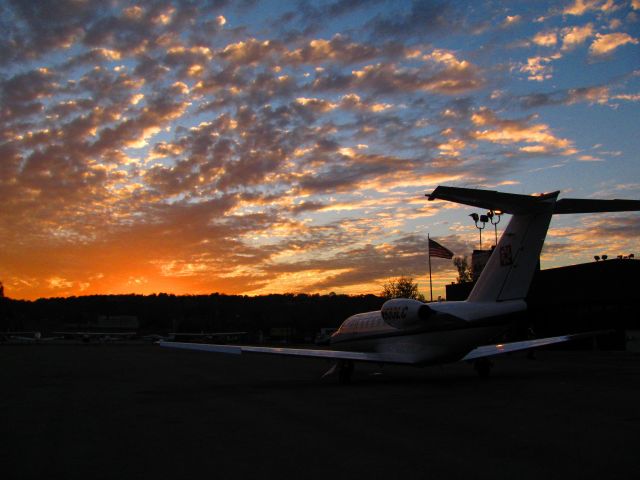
(456, 329)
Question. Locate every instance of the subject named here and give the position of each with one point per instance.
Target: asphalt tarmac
(139, 411)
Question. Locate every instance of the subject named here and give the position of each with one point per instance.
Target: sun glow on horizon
(247, 148)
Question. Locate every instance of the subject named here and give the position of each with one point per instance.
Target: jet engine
(404, 313)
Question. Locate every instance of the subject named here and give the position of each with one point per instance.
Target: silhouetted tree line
(303, 313)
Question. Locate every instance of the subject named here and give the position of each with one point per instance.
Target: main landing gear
(344, 369)
(483, 367)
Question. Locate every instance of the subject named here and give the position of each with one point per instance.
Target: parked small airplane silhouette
(27, 337)
(172, 336)
(88, 336)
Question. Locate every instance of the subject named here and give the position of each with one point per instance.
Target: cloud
(373, 264)
(538, 68)
(612, 235)
(188, 62)
(24, 88)
(580, 7)
(338, 49)
(424, 18)
(190, 147)
(574, 36)
(546, 39)
(631, 97)
(604, 44)
(352, 170)
(135, 132)
(251, 51)
(599, 95)
(308, 17)
(103, 84)
(441, 72)
(129, 33)
(511, 20)
(533, 138)
(31, 29)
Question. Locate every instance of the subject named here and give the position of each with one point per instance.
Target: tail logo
(506, 258)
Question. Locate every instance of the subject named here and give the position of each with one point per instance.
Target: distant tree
(402, 287)
(1, 290)
(464, 269)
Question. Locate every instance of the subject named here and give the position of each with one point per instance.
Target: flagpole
(429, 249)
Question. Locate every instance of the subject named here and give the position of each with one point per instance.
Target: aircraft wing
(296, 352)
(96, 334)
(479, 352)
(500, 348)
(204, 335)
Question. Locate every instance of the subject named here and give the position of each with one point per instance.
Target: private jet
(409, 332)
(172, 336)
(29, 337)
(103, 337)
(9, 335)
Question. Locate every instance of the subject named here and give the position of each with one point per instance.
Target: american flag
(438, 251)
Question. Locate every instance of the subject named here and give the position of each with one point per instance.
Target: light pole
(482, 219)
(495, 214)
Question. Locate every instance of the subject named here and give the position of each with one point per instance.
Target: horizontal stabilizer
(521, 204)
(578, 205)
(491, 200)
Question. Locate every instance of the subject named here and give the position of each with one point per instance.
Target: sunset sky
(267, 147)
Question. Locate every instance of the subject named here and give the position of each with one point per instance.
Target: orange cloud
(574, 36)
(607, 43)
(149, 148)
(546, 39)
(537, 137)
(580, 7)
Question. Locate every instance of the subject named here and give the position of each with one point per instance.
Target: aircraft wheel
(483, 367)
(345, 370)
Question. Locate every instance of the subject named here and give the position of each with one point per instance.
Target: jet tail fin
(510, 269)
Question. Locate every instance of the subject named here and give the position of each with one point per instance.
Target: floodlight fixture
(495, 214)
(483, 219)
